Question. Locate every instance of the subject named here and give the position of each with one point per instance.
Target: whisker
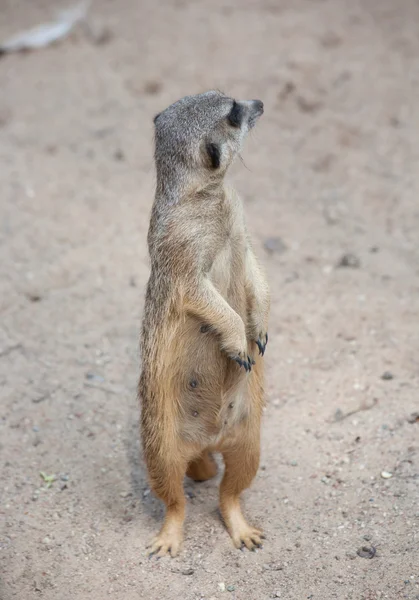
(243, 163)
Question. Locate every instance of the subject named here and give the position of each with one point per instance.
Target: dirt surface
(332, 170)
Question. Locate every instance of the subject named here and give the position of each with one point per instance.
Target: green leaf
(48, 479)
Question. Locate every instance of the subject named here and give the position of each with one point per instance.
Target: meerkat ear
(214, 152)
(156, 117)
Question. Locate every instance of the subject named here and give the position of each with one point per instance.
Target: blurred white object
(47, 33)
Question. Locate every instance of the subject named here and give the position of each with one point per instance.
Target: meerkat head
(198, 137)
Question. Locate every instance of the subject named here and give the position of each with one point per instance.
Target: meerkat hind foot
(246, 535)
(168, 541)
(240, 531)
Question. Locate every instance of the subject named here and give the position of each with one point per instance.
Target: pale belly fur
(214, 398)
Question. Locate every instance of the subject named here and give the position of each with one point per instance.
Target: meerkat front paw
(236, 347)
(257, 330)
(261, 342)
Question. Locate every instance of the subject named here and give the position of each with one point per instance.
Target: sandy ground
(332, 169)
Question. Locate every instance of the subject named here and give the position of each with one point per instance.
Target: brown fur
(207, 302)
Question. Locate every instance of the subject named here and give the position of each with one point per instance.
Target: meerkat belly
(211, 386)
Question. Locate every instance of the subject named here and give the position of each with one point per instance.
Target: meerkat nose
(258, 105)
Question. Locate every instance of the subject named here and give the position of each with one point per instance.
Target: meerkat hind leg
(170, 489)
(202, 468)
(240, 468)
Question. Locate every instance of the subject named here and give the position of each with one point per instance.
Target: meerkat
(205, 318)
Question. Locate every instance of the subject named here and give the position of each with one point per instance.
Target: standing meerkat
(205, 318)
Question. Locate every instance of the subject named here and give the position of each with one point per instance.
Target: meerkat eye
(215, 155)
(235, 116)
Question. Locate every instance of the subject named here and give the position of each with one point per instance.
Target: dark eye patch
(214, 154)
(235, 116)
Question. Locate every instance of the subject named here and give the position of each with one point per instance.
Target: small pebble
(222, 587)
(64, 477)
(367, 538)
(34, 296)
(366, 552)
(94, 377)
(386, 475)
(37, 585)
(349, 260)
(188, 571)
(231, 588)
(294, 463)
(35, 428)
(387, 375)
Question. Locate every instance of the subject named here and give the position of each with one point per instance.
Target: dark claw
(262, 345)
(246, 364)
(240, 362)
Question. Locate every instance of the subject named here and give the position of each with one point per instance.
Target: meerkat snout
(255, 107)
(256, 110)
(245, 113)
